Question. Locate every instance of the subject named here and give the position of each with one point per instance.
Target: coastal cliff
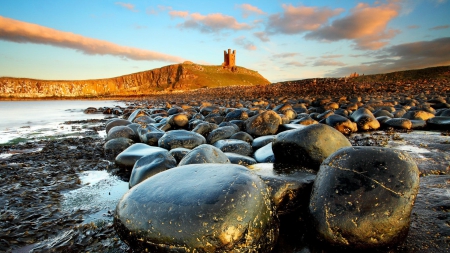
(172, 78)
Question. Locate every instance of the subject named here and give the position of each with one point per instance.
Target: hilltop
(171, 78)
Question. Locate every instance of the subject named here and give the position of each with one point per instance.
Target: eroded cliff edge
(172, 78)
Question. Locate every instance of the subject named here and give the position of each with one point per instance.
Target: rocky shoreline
(232, 120)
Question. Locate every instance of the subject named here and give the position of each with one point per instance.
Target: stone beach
(288, 167)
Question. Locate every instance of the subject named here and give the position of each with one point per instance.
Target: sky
(282, 40)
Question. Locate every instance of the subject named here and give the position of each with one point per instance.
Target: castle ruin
(229, 60)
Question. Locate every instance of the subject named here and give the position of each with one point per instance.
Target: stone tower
(229, 59)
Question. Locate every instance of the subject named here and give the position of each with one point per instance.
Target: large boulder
(115, 146)
(204, 153)
(265, 123)
(234, 146)
(121, 132)
(151, 164)
(181, 139)
(365, 120)
(198, 208)
(308, 146)
(220, 133)
(363, 196)
(127, 158)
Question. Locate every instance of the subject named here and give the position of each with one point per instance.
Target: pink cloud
(328, 63)
(332, 56)
(300, 19)
(366, 26)
(248, 9)
(440, 27)
(128, 6)
(285, 55)
(22, 32)
(246, 44)
(262, 36)
(295, 64)
(178, 14)
(209, 23)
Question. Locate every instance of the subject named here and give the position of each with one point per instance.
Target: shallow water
(42, 118)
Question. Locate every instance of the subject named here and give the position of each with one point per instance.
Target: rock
(179, 120)
(234, 146)
(115, 146)
(236, 115)
(204, 154)
(116, 122)
(121, 132)
(150, 135)
(205, 128)
(265, 154)
(127, 158)
(262, 141)
(287, 127)
(363, 196)
(91, 110)
(198, 208)
(223, 124)
(265, 123)
(243, 136)
(365, 120)
(306, 121)
(342, 124)
(220, 134)
(151, 164)
(179, 153)
(422, 115)
(136, 114)
(382, 112)
(399, 123)
(439, 122)
(308, 146)
(144, 120)
(418, 124)
(289, 188)
(181, 139)
(240, 159)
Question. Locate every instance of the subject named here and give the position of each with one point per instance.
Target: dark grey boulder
(243, 136)
(265, 123)
(198, 208)
(363, 196)
(236, 115)
(121, 132)
(439, 122)
(262, 141)
(179, 153)
(205, 128)
(418, 124)
(240, 159)
(181, 139)
(342, 124)
(116, 122)
(150, 135)
(289, 188)
(136, 114)
(220, 134)
(308, 146)
(229, 124)
(151, 164)
(239, 123)
(179, 120)
(399, 123)
(265, 154)
(127, 158)
(204, 154)
(365, 120)
(234, 146)
(144, 120)
(115, 146)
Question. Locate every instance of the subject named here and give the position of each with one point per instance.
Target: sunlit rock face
(363, 197)
(198, 208)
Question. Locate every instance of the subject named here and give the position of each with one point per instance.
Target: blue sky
(283, 40)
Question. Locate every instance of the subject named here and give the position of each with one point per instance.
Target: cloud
(331, 56)
(440, 27)
(248, 9)
(366, 26)
(210, 23)
(300, 19)
(328, 63)
(262, 36)
(128, 6)
(413, 26)
(295, 64)
(416, 55)
(22, 32)
(285, 55)
(242, 41)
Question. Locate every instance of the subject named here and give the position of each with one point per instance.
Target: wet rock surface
(212, 208)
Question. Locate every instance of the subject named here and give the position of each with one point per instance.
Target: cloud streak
(242, 41)
(210, 23)
(416, 55)
(248, 9)
(23, 32)
(440, 27)
(366, 26)
(128, 6)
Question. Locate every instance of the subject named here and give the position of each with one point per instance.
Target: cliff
(172, 78)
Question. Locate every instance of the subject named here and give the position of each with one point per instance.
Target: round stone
(342, 124)
(204, 154)
(234, 146)
(240, 159)
(151, 164)
(115, 146)
(220, 134)
(365, 120)
(116, 122)
(127, 158)
(179, 153)
(363, 196)
(180, 139)
(399, 123)
(121, 132)
(265, 123)
(265, 154)
(198, 208)
(308, 146)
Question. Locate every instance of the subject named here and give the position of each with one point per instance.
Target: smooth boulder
(127, 158)
(198, 208)
(265, 123)
(150, 165)
(181, 139)
(308, 146)
(234, 146)
(363, 196)
(204, 153)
